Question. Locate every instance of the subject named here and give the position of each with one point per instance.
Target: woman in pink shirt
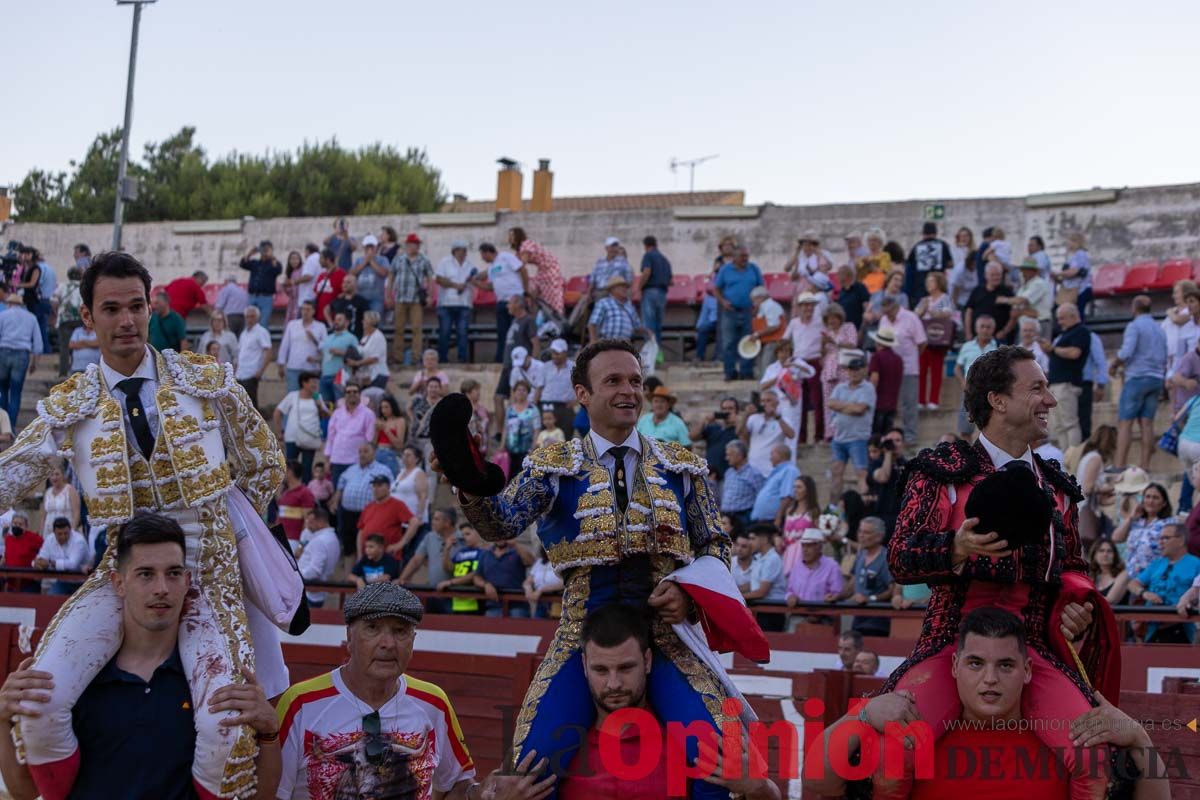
(548, 282)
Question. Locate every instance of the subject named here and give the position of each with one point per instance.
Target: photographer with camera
(885, 479)
(717, 430)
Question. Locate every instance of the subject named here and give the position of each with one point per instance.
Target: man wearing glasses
(368, 730)
(1164, 581)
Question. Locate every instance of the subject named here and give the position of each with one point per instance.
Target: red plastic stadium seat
(575, 289)
(1172, 272)
(1139, 278)
(485, 298)
(682, 291)
(781, 286)
(1108, 279)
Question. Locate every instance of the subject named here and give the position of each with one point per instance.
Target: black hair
(614, 624)
(148, 528)
(763, 529)
(83, 248)
(393, 237)
(328, 254)
(1165, 511)
(929, 229)
(991, 372)
(992, 623)
(311, 248)
(517, 234)
(650, 241)
(650, 383)
(1041, 243)
(112, 264)
(320, 513)
(449, 513)
(856, 509)
(307, 376)
(487, 247)
(583, 361)
(391, 401)
(736, 528)
(854, 636)
(988, 231)
(61, 522)
(377, 538)
(295, 468)
(737, 406)
(895, 251)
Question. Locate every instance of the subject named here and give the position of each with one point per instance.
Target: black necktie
(137, 415)
(620, 478)
(1017, 463)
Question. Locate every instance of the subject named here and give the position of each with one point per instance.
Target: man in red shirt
(328, 285)
(886, 372)
(188, 293)
(294, 502)
(21, 547)
(990, 749)
(617, 660)
(389, 517)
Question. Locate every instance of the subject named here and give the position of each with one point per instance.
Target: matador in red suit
(1042, 579)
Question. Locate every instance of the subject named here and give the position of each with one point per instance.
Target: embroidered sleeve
(704, 522)
(1074, 561)
(254, 456)
(26, 465)
(521, 504)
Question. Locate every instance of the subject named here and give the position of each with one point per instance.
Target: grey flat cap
(378, 600)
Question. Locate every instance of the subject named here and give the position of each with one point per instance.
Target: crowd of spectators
(851, 361)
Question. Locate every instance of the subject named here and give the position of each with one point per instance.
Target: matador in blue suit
(617, 513)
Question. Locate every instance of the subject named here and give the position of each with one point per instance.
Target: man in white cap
(455, 277)
(558, 389)
(371, 270)
(529, 369)
(816, 578)
(805, 332)
(613, 263)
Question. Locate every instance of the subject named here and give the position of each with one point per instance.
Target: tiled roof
(617, 202)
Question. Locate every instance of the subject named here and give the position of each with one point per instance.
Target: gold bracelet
(266, 738)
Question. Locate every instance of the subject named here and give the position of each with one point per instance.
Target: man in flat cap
(366, 728)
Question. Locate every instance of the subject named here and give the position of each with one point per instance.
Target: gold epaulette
(674, 457)
(71, 400)
(198, 375)
(557, 458)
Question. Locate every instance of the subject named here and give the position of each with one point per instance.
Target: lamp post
(125, 188)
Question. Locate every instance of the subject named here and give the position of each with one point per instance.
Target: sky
(803, 101)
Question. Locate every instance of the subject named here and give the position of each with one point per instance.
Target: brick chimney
(508, 185)
(5, 204)
(543, 182)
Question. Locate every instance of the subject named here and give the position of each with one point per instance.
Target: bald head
(1067, 315)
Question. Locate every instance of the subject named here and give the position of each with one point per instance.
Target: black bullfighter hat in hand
(1011, 503)
(457, 451)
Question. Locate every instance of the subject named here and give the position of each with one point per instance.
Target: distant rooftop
(616, 202)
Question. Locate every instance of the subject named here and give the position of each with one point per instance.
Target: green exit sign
(935, 211)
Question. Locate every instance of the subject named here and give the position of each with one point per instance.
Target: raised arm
(506, 515)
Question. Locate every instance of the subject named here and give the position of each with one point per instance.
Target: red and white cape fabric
(725, 623)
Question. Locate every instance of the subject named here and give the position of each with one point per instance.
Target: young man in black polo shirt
(134, 721)
(1068, 354)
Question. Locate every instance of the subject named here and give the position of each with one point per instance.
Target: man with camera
(717, 430)
(886, 478)
(264, 271)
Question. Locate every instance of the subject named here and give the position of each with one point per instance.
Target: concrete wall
(1146, 223)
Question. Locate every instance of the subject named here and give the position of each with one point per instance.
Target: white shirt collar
(147, 369)
(999, 457)
(602, 445)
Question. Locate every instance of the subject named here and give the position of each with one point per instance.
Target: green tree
(179, 182)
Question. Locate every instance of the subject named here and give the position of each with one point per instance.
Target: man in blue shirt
(1166, 580)
(734, 282)
(1068, 353)
(1143, 356)
(613, 263)
(502, 569)
(20, 342)
(741, 484)
(1095, 378)
(654, 280)
(778, 485)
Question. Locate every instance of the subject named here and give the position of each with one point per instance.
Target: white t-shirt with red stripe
(326, 752)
